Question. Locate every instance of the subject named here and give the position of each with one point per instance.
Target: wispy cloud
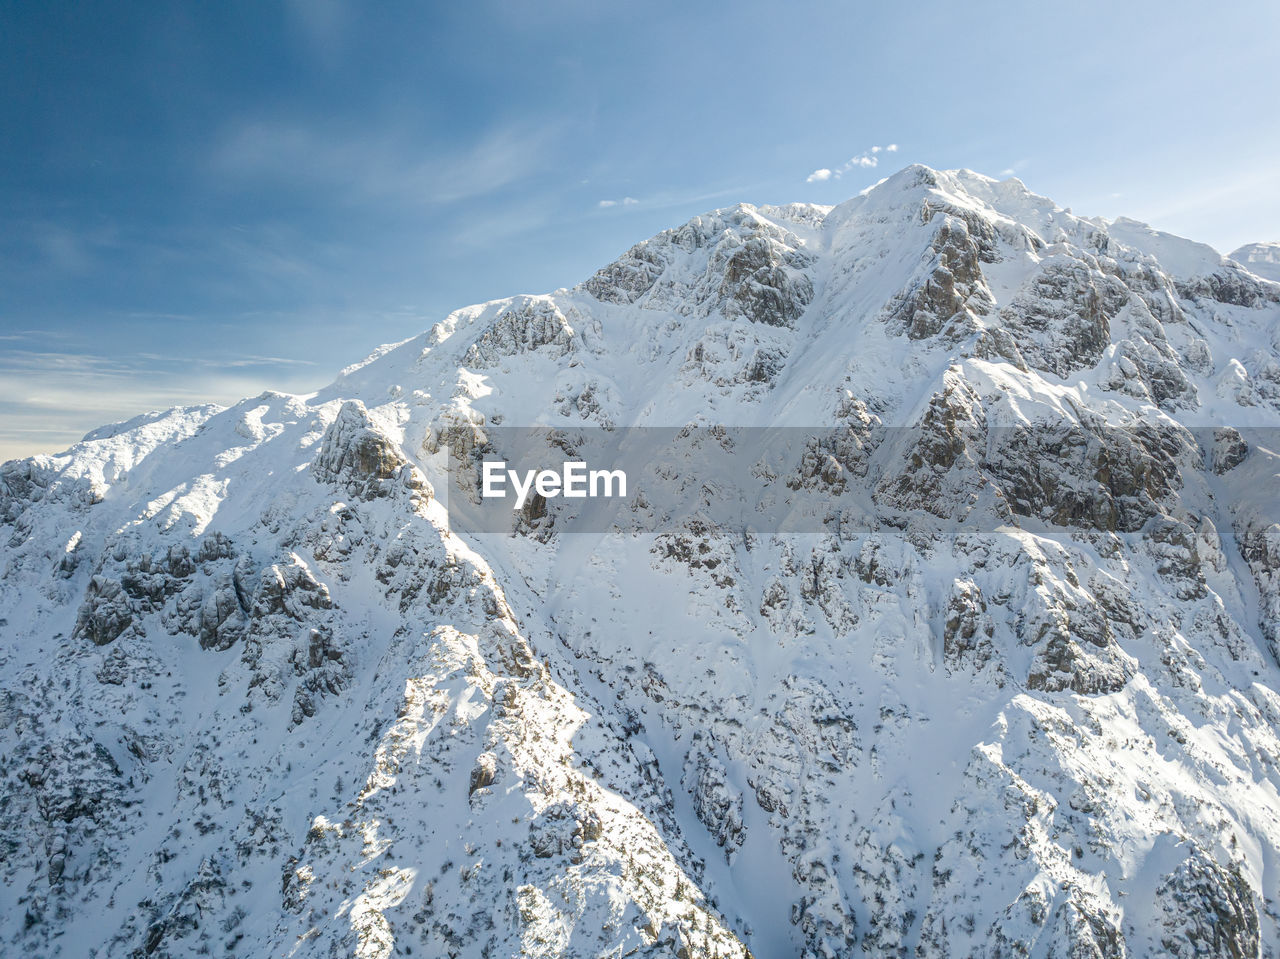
(25, 336)
(238, 362)
(384, 167)
(19, 362)
(323, 25)
(625, 201)
(676, 199)
(265, 361)
(69, 249)
(865, 160)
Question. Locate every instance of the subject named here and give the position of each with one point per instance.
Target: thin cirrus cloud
(865, 160)
(625, 201)
(388, 167)
(322, 25)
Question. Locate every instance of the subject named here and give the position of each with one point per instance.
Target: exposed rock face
(951, 290)
(356, 454)
(1260, 546)
(627, 279)
(1062, 320)
(1232, 285)
(1207, 910)
(1229, 449)
(106, 612)
(763, 282)
(537, 324)
(717, 804)
(1012, 690)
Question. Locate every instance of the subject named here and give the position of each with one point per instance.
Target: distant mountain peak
(1261, 259)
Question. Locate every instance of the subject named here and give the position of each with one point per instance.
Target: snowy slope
(1017, 694)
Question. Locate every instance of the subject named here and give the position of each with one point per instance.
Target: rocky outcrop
(1229, 450)
(533, 324)
(1207, 910)
(1260, 546)
(629, 277)
(735, 262)
(764, 283)
(1061, 320)
(359, 456)
(717, 804)
(1232, 285)
(951, 290)
(105, 613)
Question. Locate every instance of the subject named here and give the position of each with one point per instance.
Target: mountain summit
(1016, 694)
(1260, 258)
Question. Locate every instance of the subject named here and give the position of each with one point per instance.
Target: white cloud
(625, 201)
(629, 201)
(866, 160)
(607, 203)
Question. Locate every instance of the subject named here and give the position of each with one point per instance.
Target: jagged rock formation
(1015, 692)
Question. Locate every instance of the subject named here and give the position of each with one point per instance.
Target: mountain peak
(1261, 259)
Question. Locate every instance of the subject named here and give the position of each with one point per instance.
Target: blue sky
(201, 201)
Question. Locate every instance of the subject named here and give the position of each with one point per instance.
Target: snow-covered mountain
(1260, 258)
(1016, 695)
